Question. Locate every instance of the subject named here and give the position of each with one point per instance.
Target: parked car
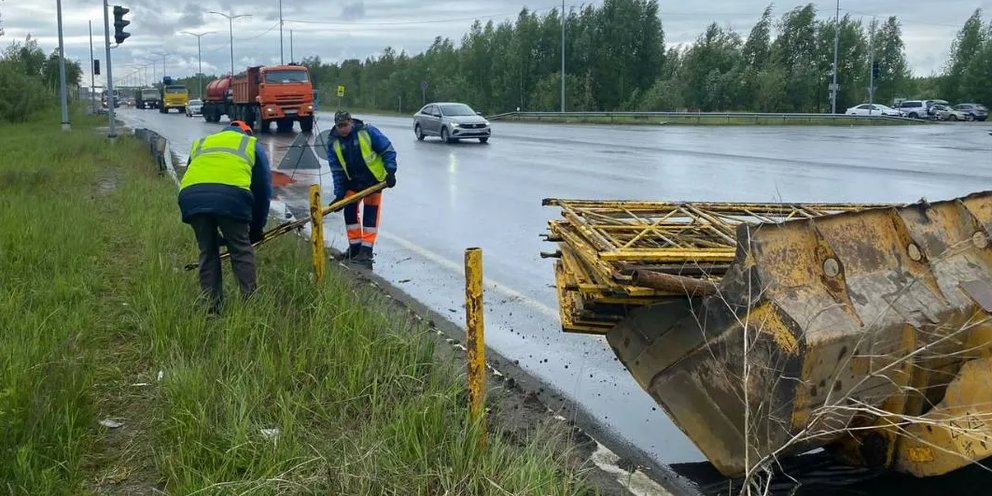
(194, 107)
(450, 121)
(874, 109)
(947, 113)
(977, 111)
(917, 109)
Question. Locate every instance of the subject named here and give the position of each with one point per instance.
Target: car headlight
(455, 124)
(485, 123)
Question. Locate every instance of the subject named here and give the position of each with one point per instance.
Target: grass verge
(303, 390)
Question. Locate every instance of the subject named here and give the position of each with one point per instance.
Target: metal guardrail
(699, 116)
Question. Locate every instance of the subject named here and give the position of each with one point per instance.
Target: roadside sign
(340, 90)
(423, 85)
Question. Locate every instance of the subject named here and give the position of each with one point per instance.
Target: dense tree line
(616, 60)
(29, 81)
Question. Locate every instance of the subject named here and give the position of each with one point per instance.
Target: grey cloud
(192, 15)
(353, 10)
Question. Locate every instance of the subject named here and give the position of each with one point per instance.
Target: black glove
(337, 199)
(221, 241)
(255, 235)
(390, 180)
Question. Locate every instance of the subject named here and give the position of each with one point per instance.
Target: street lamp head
(230, 16)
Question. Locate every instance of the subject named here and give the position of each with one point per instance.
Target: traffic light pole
(109, 89)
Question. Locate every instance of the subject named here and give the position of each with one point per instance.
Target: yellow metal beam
(317, 234)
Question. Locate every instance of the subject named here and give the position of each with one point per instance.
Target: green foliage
(29, 82)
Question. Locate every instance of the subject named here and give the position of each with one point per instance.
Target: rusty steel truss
(618, 255)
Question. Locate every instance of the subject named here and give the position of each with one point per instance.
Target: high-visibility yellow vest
(226, 157)
(373, 160)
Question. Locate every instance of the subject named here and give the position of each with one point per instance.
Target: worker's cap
(242, 125)
(342, 116)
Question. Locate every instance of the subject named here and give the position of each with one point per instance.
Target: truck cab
(282, 94)
(174, 96)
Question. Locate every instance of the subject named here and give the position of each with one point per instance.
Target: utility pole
(833, 87)
(63, 95)
(109, 89)
(281, 59)
(92, 73)
(199, 59)
(871, 67)
(230, 25)
(563, 55)
(291, 57)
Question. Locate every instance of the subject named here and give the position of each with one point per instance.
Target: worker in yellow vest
(224, 195)
(360, 156)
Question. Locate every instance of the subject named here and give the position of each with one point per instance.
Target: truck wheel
(259, 123)
(284, 125)
(306, 124)
(163, 109)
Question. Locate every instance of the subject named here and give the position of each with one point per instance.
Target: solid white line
(460, 269)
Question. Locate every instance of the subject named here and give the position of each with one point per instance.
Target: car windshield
(456, 110)
(286, 77)
(195, 102)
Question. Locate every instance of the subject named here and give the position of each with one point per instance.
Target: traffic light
(875, 70)
(96, 67)
(120, 23)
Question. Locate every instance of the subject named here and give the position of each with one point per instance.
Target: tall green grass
(352, 398)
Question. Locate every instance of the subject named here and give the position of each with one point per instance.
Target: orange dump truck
(261, 95)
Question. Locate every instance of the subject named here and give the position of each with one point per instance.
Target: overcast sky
(336, 30)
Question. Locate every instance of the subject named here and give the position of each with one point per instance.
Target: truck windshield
(148, 93)
(286, 77)
(175, 89)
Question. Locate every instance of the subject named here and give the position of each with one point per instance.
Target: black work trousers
(208, 229)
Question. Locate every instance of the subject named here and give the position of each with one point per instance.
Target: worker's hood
(356, 125)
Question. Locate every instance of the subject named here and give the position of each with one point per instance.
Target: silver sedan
(451, 122)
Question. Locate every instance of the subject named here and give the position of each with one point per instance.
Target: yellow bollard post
(317, 233)
(475, 332)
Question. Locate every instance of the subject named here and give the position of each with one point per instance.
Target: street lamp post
(230, 25)
(833, 87)
(63, 95)
(563, 56)
(199, 59)
(281, 59)
(163, 55)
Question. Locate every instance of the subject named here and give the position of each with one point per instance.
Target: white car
(452, 122)
(874, 109)
(194, 107)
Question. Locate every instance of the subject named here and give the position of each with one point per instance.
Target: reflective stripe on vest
(372, 159)
(226, 157)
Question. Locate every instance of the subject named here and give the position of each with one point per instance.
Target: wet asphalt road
(450, 197)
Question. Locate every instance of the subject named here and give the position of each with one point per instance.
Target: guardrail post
(317, 233)
(476, 342)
